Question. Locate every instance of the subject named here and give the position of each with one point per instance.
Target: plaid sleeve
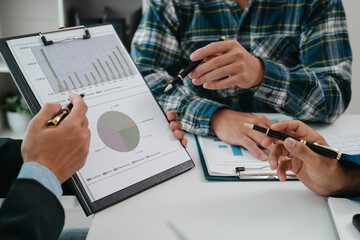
(319, 89)
(158, 63)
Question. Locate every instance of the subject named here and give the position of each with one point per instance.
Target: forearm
(308, 94)
(159, 56)
(194, 112)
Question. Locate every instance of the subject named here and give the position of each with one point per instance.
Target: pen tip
(249, 125)
(170, 86)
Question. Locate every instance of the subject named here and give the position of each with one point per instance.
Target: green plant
(14, 103)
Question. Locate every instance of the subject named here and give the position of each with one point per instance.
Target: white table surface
(189, 207)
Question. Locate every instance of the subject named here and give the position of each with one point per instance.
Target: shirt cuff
(38, 172)
(273, 90)
(355, 198)
(197, 118)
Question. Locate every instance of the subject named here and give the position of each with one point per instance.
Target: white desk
(189, 207)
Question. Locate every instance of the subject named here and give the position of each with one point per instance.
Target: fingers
(171, 115)
(263, 121)
(268, 141)
(79, 109)
(252, 147)
(179, 134)
(85, 122)
(304, 153)
(275, 155)
(46, 113)
(211, 49)
(219, 67)
(184, 142)
(283, 167)
(300, 129)
(175, 125)
(221, 84)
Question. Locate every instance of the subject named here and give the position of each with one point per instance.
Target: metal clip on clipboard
(46, 42)
(242, 174)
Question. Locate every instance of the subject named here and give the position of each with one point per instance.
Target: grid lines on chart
(80, 63)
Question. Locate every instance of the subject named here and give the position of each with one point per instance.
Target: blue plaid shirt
(303, 44)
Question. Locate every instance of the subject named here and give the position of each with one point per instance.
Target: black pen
(61, 115)
(320, 149)
(187, 70)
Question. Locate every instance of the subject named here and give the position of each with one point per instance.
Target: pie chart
(118, 131)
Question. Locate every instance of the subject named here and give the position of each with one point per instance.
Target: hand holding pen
(63, 150)
(187, 70)
(230, 62)
(55, 121)
(323, 175)
(316, 147)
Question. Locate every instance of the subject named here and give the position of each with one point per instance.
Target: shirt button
(197, 124)
(268, 94)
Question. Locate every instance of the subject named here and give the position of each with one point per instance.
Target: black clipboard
(88, 206)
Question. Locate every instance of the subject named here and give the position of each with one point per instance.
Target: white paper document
(221, 158)
(130, 137)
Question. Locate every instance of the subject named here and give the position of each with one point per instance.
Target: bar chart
(73, 64)
(236, 150)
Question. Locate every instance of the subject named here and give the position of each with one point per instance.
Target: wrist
(349, 183)
(260, 72)
(217, 117)
(43, 175)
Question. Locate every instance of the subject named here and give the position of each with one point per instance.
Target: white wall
(353, 19)
(24, 16)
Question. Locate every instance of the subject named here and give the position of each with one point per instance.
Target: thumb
(46, 113)
(302, 152)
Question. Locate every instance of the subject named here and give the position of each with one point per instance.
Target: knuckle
(86, 135)
(221, 72)
(262, 118)
(233, 43)
(298, 122)
(321, 140)
(299, 149)
(252, 121)
(215, 46)
(239, 55)
(33, 121)
(48, 105)
(82, 162)
(217, 62)
(76, 125)
(248, 143)
(85, 107)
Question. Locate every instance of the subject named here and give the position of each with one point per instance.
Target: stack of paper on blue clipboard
(220, 159)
